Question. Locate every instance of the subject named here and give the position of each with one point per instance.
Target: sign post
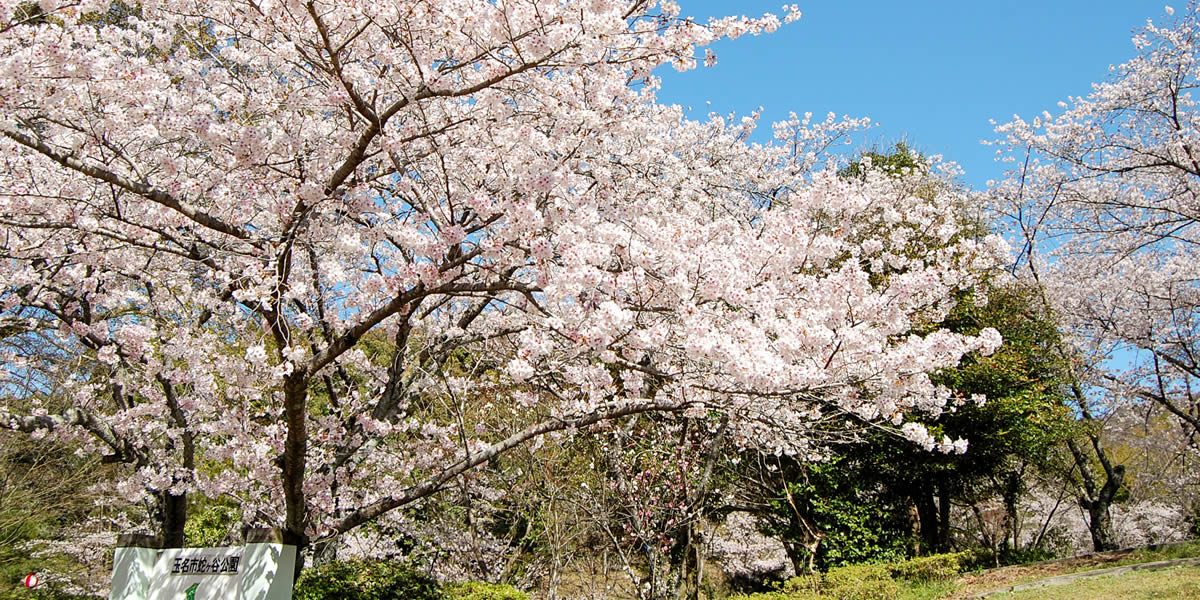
(133, 560)
(260, 570)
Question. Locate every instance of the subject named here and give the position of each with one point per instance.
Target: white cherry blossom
(346, 252)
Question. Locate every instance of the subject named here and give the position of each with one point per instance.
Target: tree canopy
(284, 247)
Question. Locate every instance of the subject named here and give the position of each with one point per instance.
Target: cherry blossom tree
(326, 257)
(1103, 197)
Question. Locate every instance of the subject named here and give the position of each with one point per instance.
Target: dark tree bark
(1097, 498)
(927, 518)
(932, 501)
(173, 517)
(944, 492)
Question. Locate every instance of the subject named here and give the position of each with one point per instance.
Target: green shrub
(938, 567)
(802, 584)
(366, 580)
(1187, 549)
(475, 590)
(208, 524)
(775, 596)
(49, 594)
(804, 587)
(860, 582)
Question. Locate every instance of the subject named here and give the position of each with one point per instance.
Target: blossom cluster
(343, 252)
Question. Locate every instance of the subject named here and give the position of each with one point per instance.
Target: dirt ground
(1004, 576)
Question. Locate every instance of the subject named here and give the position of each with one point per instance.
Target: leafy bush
(46, 594)
(861, 582)
(859, 523)
(366, 580)
(804, 587)
(924, 577)
(937, 567)
(802, 584)
(474, 590)
(209, 523)
(777, 595)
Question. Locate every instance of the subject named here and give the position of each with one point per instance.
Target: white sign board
(258, 571)
(197, 574)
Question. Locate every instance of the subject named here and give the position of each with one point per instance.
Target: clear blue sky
(930, 71)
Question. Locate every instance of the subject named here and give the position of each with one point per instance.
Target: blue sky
(930, 71)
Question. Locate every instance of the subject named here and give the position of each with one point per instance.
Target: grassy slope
(1180, 583)
(998, 578)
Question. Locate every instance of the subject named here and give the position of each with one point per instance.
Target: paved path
(1073, 577)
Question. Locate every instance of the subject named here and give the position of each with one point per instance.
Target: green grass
(1179, 583)
(931, 590)
(993, 579)
(934, 577)
(1142, 555)
(1187, 550)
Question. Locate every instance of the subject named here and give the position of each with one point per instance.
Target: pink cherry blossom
(348, 252)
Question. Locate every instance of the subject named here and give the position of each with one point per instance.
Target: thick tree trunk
(1011, 496)
(1100, 525)
(797, 554)
(174, 507)
(174, 517)
(1097, 498)
(927, 519)
(681, 590)
(295, 449)
(943, 540)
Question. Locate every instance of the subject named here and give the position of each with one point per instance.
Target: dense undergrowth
(920, 578)
(931, 577)
(383, 580)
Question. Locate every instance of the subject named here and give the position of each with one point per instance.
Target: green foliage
(118, 14)
(927, 590)
(209, 524)
(390, 580)
(366, 580)
(802, 584)
(859, 523)
(43, 491)
(476, 590)
(1024, 418)
(861, 582)
(775, 596)
(804, 587)
(861, 502)
(47, 593)
(1172, 551)
(922, 578)
(899, 161)
(933, 568)
(29, 13)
